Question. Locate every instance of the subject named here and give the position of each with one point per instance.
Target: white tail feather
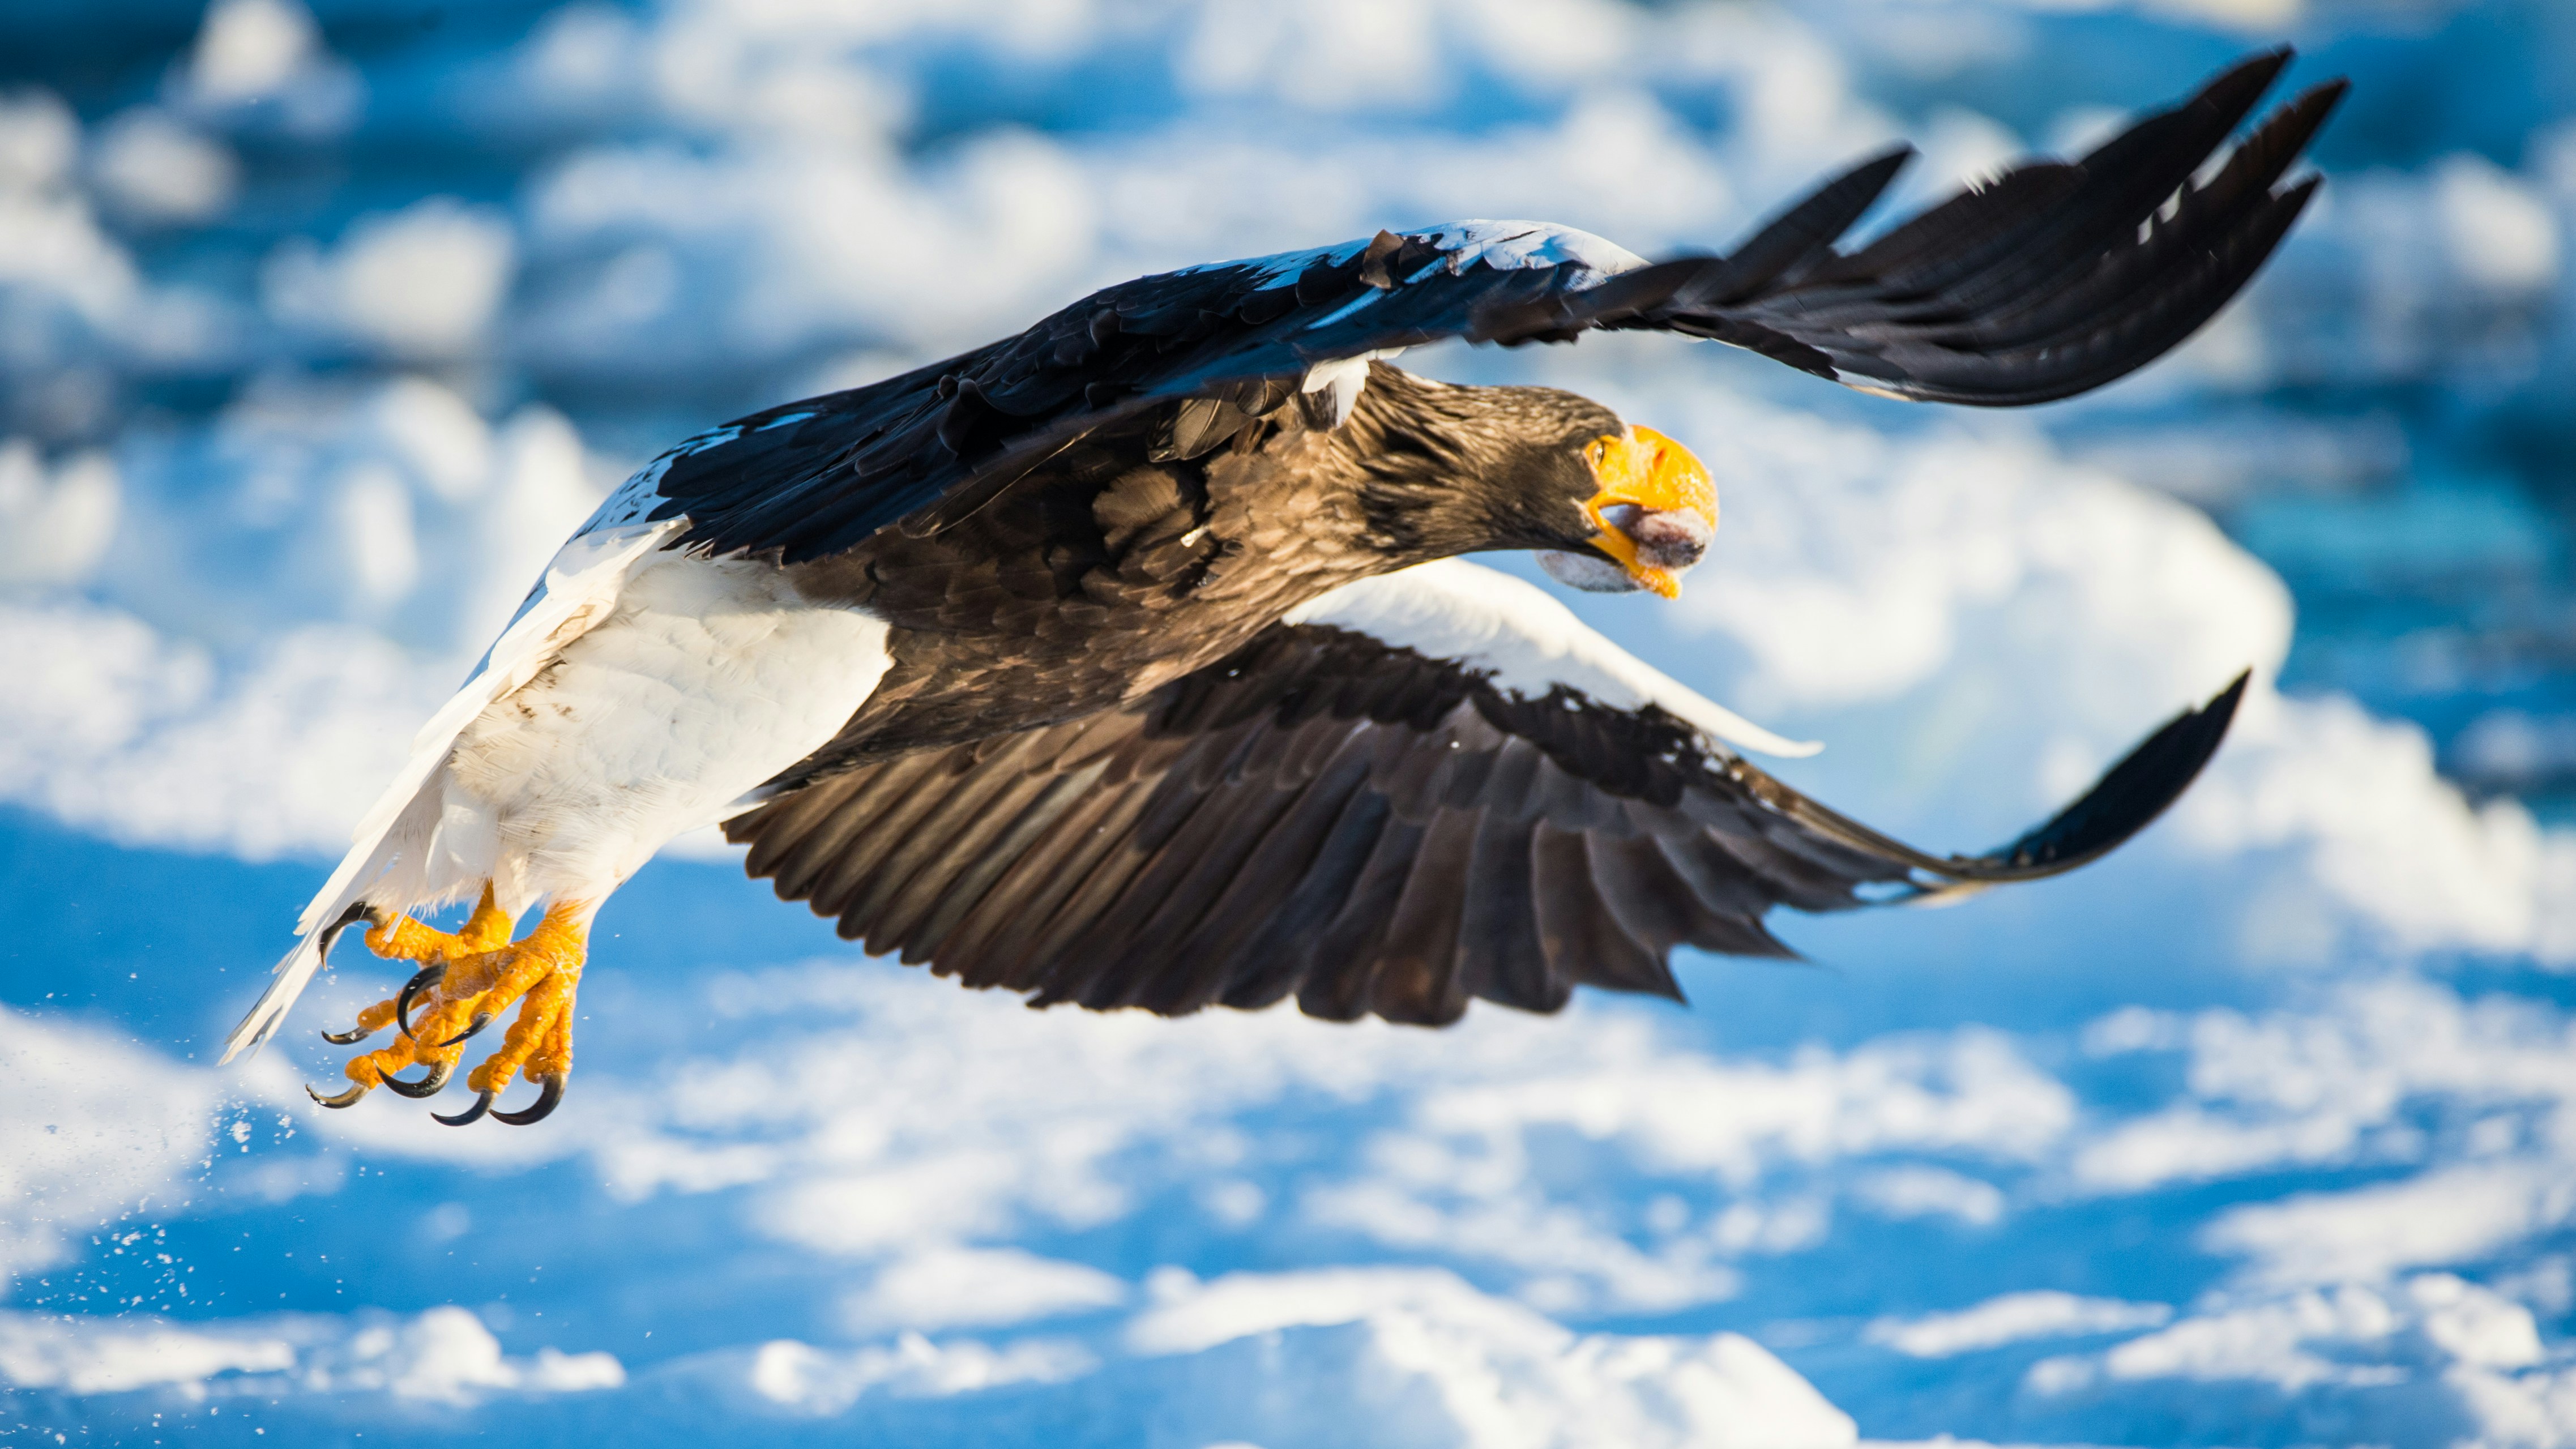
(579, 590)
(284, 986)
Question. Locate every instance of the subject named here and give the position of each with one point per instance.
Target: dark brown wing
(2050, 280)
(1370, 830)
(2045, 282)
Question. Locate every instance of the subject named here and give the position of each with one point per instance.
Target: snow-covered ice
(322, 323)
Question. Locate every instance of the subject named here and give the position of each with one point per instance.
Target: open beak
(1657, 507)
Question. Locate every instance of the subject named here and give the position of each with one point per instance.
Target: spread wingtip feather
(2130, 795)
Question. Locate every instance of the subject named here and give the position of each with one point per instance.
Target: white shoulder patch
(641, 493)
(1509, 246)
(1345, 377)
(618, 518)
(1526, 641)
(1506, 246)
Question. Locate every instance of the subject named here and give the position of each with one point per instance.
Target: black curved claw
(482, 1104)
(348, 1098)
(482, 1019)
(350, 917)
(350, 1037)
(427, 1086)
(423, 979)
(547, 1099)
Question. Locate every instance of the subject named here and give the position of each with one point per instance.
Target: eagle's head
(1607, 506)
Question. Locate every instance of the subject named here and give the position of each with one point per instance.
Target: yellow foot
(401, 938)
(472, 976)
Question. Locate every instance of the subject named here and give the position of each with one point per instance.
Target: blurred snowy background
(321, 321)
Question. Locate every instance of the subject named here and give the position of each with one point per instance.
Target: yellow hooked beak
(1657, 508)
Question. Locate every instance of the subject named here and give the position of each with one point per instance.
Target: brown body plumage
(1105, 574)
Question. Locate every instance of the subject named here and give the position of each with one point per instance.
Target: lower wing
(1421, 790)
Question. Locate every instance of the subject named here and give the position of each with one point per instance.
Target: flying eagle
(1129, 662)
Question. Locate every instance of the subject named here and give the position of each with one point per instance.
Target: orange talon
(485, 972)
(526, 1037)
(404, 939)
(553, 1059)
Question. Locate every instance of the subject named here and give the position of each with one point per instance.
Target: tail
(579, 588)
(309, 956)
(381, 837)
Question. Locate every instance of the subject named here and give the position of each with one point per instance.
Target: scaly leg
(461, 991)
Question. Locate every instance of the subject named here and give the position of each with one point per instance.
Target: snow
(2012, 1318)
(54, 530)
(2500, 232)
(316, 340)
(258, 59)
(444, 1356)
(96, 1126)
(32, 1357)
(158, 169)
(2333, 1082)
(251, 48)
(1918, 1192)
(965, 1287)
(2451, 1215)
(422, 283)
(810, 1382)
(57, 253)
(1468, 1369)
(128, 732)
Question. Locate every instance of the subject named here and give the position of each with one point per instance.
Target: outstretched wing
(1226, 343)
(2049, 280)
(1424, 788)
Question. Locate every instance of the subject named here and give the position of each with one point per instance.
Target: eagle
(1130, 661)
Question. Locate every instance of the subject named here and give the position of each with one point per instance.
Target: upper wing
(2049, 280)
(1240, 338)
(1358, 811)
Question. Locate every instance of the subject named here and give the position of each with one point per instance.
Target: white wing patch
(1526, 641)
(1506, 246)
(1509, 246)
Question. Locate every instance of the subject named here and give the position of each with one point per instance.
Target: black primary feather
(2133, 792)
(2044, 282)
